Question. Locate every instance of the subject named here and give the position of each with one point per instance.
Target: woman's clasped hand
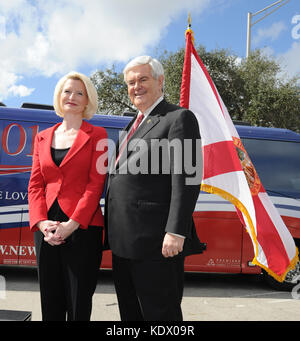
(55, 232)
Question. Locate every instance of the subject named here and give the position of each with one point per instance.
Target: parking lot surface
(207, 297)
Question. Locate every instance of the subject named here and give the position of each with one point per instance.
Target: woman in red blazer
(64, 192)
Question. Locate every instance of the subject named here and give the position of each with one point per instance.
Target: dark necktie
(136, 123)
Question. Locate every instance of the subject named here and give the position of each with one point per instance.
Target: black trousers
(149, 290)
(68, 274)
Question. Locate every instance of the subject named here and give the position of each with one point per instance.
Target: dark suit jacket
(142, 207)
(76, 183)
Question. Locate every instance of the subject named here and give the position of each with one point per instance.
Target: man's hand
(172, 245)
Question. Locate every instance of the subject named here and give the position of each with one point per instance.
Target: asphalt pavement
(207, 297)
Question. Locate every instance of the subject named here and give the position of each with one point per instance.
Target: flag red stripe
(214, 161)
(269, 239)
(186, 75)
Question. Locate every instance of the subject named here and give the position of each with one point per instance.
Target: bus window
(112, 135)
(277, 164)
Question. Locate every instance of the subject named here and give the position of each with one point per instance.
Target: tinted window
(112, 135)
(277, 164)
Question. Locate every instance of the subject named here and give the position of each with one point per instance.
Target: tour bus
(274, 152)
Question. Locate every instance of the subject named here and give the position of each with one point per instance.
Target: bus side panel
(106, 260)
(16, 151)
(222, 232)
(27, 254)
(293, 225)
(9, 245)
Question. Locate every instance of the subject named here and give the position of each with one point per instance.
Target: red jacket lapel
(82, 137)
(46, 140)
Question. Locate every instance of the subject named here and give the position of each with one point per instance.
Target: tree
(112, 92)
(222, 67)
(252, 89)
(268, 99)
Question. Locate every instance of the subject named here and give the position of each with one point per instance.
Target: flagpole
(189, 28)
(189, 20)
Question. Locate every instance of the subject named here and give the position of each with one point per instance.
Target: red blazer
(77, 183)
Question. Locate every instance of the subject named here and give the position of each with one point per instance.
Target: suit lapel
(150, 122)
(146, 126)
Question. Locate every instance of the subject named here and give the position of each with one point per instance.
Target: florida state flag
(229, 172)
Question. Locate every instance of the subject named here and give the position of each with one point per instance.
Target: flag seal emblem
(252, 177)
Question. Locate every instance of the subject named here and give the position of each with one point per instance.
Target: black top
(55, 212)
(58, 155)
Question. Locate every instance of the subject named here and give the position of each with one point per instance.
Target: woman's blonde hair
(92, 106)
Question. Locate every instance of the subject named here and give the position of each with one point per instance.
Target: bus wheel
(292, 278)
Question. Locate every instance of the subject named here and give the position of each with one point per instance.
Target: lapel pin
(149, 121)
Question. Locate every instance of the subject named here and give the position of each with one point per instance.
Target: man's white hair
(156, 67)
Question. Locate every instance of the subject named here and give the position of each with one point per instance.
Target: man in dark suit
(151, 196)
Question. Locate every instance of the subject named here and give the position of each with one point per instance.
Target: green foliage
(253, 90)
(112, 92)
(269, 100)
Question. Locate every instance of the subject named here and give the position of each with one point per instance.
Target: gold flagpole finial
(189, 20)
(189, 29)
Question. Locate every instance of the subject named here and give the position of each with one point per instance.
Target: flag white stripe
(203, 102)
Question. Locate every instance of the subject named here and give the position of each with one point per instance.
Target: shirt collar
(148, 111)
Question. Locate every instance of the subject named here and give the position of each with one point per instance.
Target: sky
(42, 40)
